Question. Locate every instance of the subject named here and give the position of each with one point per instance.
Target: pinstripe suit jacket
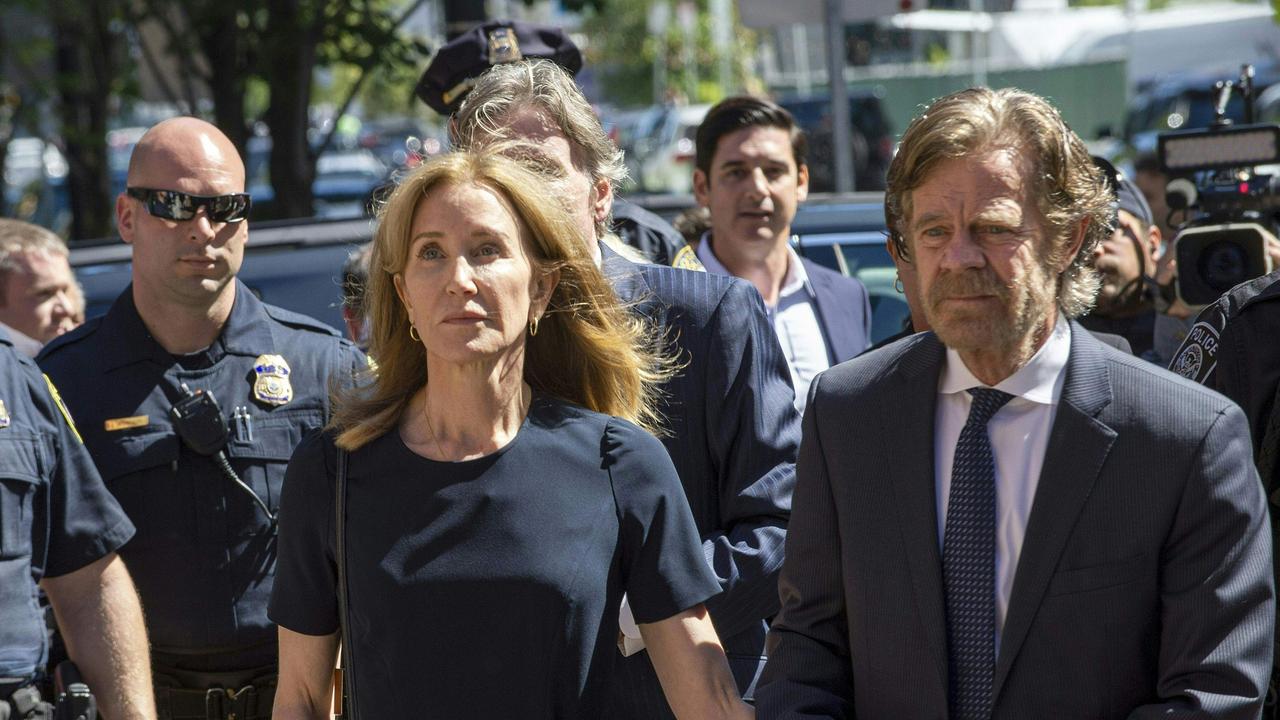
(1143, 590)
(733, 438)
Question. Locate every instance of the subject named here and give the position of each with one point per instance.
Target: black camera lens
(1223, 265)
(1212, 259)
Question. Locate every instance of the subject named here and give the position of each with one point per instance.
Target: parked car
(630, 130)
(344, 182)
(847, 234)
(35, 174)
(120, 145)
(871, 138)
(400, 141)
(341, 188)
(666, 154)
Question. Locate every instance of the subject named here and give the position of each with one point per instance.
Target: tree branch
(367, 68)
(184, 60)
(148, 55)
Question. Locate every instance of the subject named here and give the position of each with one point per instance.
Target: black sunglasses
(174, 205)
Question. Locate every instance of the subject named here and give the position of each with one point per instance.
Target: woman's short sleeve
(304, 598)
(664, 568)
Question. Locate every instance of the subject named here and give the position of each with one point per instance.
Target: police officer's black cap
(456, 66)
(1129, 196)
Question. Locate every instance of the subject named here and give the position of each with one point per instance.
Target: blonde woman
(503, 492)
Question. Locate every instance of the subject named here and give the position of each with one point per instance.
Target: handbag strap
(340, 552)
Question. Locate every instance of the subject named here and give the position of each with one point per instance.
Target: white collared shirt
(795, 320)
(1019, 434)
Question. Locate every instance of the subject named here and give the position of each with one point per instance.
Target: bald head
(189, 263)
(186, 149)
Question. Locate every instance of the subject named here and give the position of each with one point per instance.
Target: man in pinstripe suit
(733, 430)
(1029, 524)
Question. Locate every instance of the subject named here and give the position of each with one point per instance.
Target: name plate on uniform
(126, 423)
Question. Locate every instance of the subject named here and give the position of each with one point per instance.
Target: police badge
(1198, 356)
(272, 385)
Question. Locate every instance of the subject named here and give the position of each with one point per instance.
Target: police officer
(1232, 348)
(453, 72)
(191, 394)
(60, 528)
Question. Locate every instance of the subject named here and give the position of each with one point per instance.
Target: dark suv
(872, 139)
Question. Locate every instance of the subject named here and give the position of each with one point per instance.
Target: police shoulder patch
(687, 259)
(1197, 358)
(62, 408)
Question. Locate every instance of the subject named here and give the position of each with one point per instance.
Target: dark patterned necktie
(969, 562)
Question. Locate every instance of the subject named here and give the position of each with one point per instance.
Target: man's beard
(1023, 306)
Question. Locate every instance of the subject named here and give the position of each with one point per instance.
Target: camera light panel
(1230, 147)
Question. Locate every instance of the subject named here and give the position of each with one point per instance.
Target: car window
(824, 255)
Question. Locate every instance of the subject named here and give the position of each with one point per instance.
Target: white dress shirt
(794, 318)
(1019, 434)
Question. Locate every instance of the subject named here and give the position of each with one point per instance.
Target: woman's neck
(465, 412)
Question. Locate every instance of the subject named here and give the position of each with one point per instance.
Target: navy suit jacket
(1144, 585)
(844, 311)
(733, 435)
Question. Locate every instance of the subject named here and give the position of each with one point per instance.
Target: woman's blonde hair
(589, 349)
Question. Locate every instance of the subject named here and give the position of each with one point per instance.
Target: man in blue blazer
(751, 176)
(1027, 524)
(732, 428)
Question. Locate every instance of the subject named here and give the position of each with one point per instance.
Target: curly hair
(1068, 187)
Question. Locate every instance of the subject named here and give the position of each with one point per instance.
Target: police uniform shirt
(204, 556)
(652, 236)
(55, 514)
(1231, 347)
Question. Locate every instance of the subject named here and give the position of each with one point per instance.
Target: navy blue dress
(490, 588)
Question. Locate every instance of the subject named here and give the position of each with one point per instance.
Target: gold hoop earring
(533, 327)
(897, 284)
(413, 333)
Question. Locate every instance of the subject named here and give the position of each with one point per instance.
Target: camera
(1230, 204)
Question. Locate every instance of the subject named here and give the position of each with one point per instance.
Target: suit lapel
(833, 320)
(910, 403)
(1078, 446)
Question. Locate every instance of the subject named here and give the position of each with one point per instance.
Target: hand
(1166, 272)
(1273, 252)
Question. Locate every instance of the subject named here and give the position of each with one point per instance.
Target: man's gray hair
(17, 238)
(545, 86)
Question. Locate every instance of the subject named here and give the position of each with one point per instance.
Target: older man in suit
(751, 175)
(1028, 524)
(732, 428)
